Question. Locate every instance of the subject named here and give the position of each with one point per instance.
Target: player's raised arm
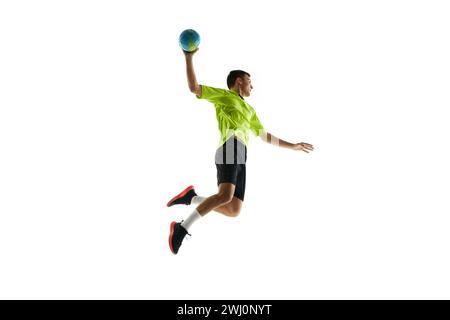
(192, 80)
(189, 40)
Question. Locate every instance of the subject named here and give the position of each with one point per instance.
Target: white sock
(197, 199)
(194, 216)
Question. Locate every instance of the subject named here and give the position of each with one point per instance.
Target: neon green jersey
(235, 116)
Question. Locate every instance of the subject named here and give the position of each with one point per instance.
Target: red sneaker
(184, 197)
(176, 236)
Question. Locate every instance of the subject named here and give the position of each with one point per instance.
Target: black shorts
(231, 158)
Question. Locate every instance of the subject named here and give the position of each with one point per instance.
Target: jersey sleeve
(256, 125)
(211, 94)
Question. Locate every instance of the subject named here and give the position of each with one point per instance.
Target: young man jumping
(236, 119)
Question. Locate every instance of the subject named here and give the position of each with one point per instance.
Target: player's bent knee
(235, 207)
(234, 212)
(225, 198)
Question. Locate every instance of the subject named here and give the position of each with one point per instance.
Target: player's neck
(237, 91)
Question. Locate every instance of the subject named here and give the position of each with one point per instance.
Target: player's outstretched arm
(270, 138)
(192, 80)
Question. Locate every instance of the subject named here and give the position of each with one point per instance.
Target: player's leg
(222, 197)
(231, 182)
(189, 197)
(226, 175)
(178, 230)
(231, 209)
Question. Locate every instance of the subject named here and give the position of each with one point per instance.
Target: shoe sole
(172, 226)
(180, 195)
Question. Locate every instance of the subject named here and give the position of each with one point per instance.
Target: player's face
(246, 86)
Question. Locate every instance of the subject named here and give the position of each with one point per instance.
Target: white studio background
(98, 130)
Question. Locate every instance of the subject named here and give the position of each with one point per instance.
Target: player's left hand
(303, 146)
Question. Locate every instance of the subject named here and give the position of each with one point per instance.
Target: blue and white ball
(189, 40)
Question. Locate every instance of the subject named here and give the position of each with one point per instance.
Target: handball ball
(189, 40)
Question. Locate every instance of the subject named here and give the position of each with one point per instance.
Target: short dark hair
(233, 75)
